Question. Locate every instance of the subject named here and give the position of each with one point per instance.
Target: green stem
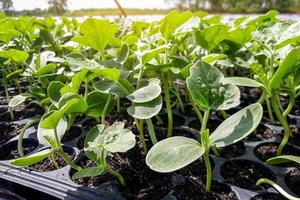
(116, 174)
(270, 113)
(159, 120)
(224, 114)
(290, 106)
(52, 158)
(205, 120)
(22, 133)
(277, 187)
(215, 151)
(106, 108)
(63, 154)
(151, 131)
(208, 170)
(140, 129)
(168, 105)
(196, 109)
(283, 122)
(263, 97)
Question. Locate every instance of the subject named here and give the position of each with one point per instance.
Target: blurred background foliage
(59, 7)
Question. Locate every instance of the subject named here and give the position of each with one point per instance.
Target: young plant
(99, 142)
(147, 102)
(280, 160)
(209, 92)
(51, 130)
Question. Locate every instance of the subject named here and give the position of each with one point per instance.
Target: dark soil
(249, 95)
(234, 150)
(9, 130)
(268, 150)
(9, 151)
(47, 165)
(177, 120)
(245, 173)
(292, 179)
(188, 111)
(268, 196)
(296, 135)
(72, 134)
(23, 112)
(3, 101)
(262, 133)
(145, 184)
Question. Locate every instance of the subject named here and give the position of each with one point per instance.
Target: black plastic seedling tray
(59, 184)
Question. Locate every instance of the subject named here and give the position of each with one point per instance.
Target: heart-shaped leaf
(206, 86)
(96, 33)
(80, 106)
(112, 138)
(172, 21)
(237, 126)
(145, 94)
(146, 110)
(173, 153)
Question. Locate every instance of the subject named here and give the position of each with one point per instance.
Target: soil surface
(268, 150)
(23, 112)
(145, 184)
(245, 173)
(234, 150)
(262, 133)
(9, 151)
(9, 130)
(73, 133)
(268, 196)
(292, 179)
(47, 165)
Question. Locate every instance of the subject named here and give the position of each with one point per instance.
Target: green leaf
(88, 172)
(77, 62)
(145, 94)
(32, 159)
(172, 21)
(173, 153)
(79, 107)
(15, 55)
(67, 105)
(150, 54)
(112, 138)
(210, 37)
(96, 33)
(289, 36)
(75, 82)
(146, 110)
(53, 92)
(237, 126)
(123, 53)
(283, 159)
(206, 86)
(242, 81)
(44, 134)
(96, 102)
(17, 100)
(287, 67)
(107, 86)
(50, 68)
(14, 75)
(108, 73)
(213, 57)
